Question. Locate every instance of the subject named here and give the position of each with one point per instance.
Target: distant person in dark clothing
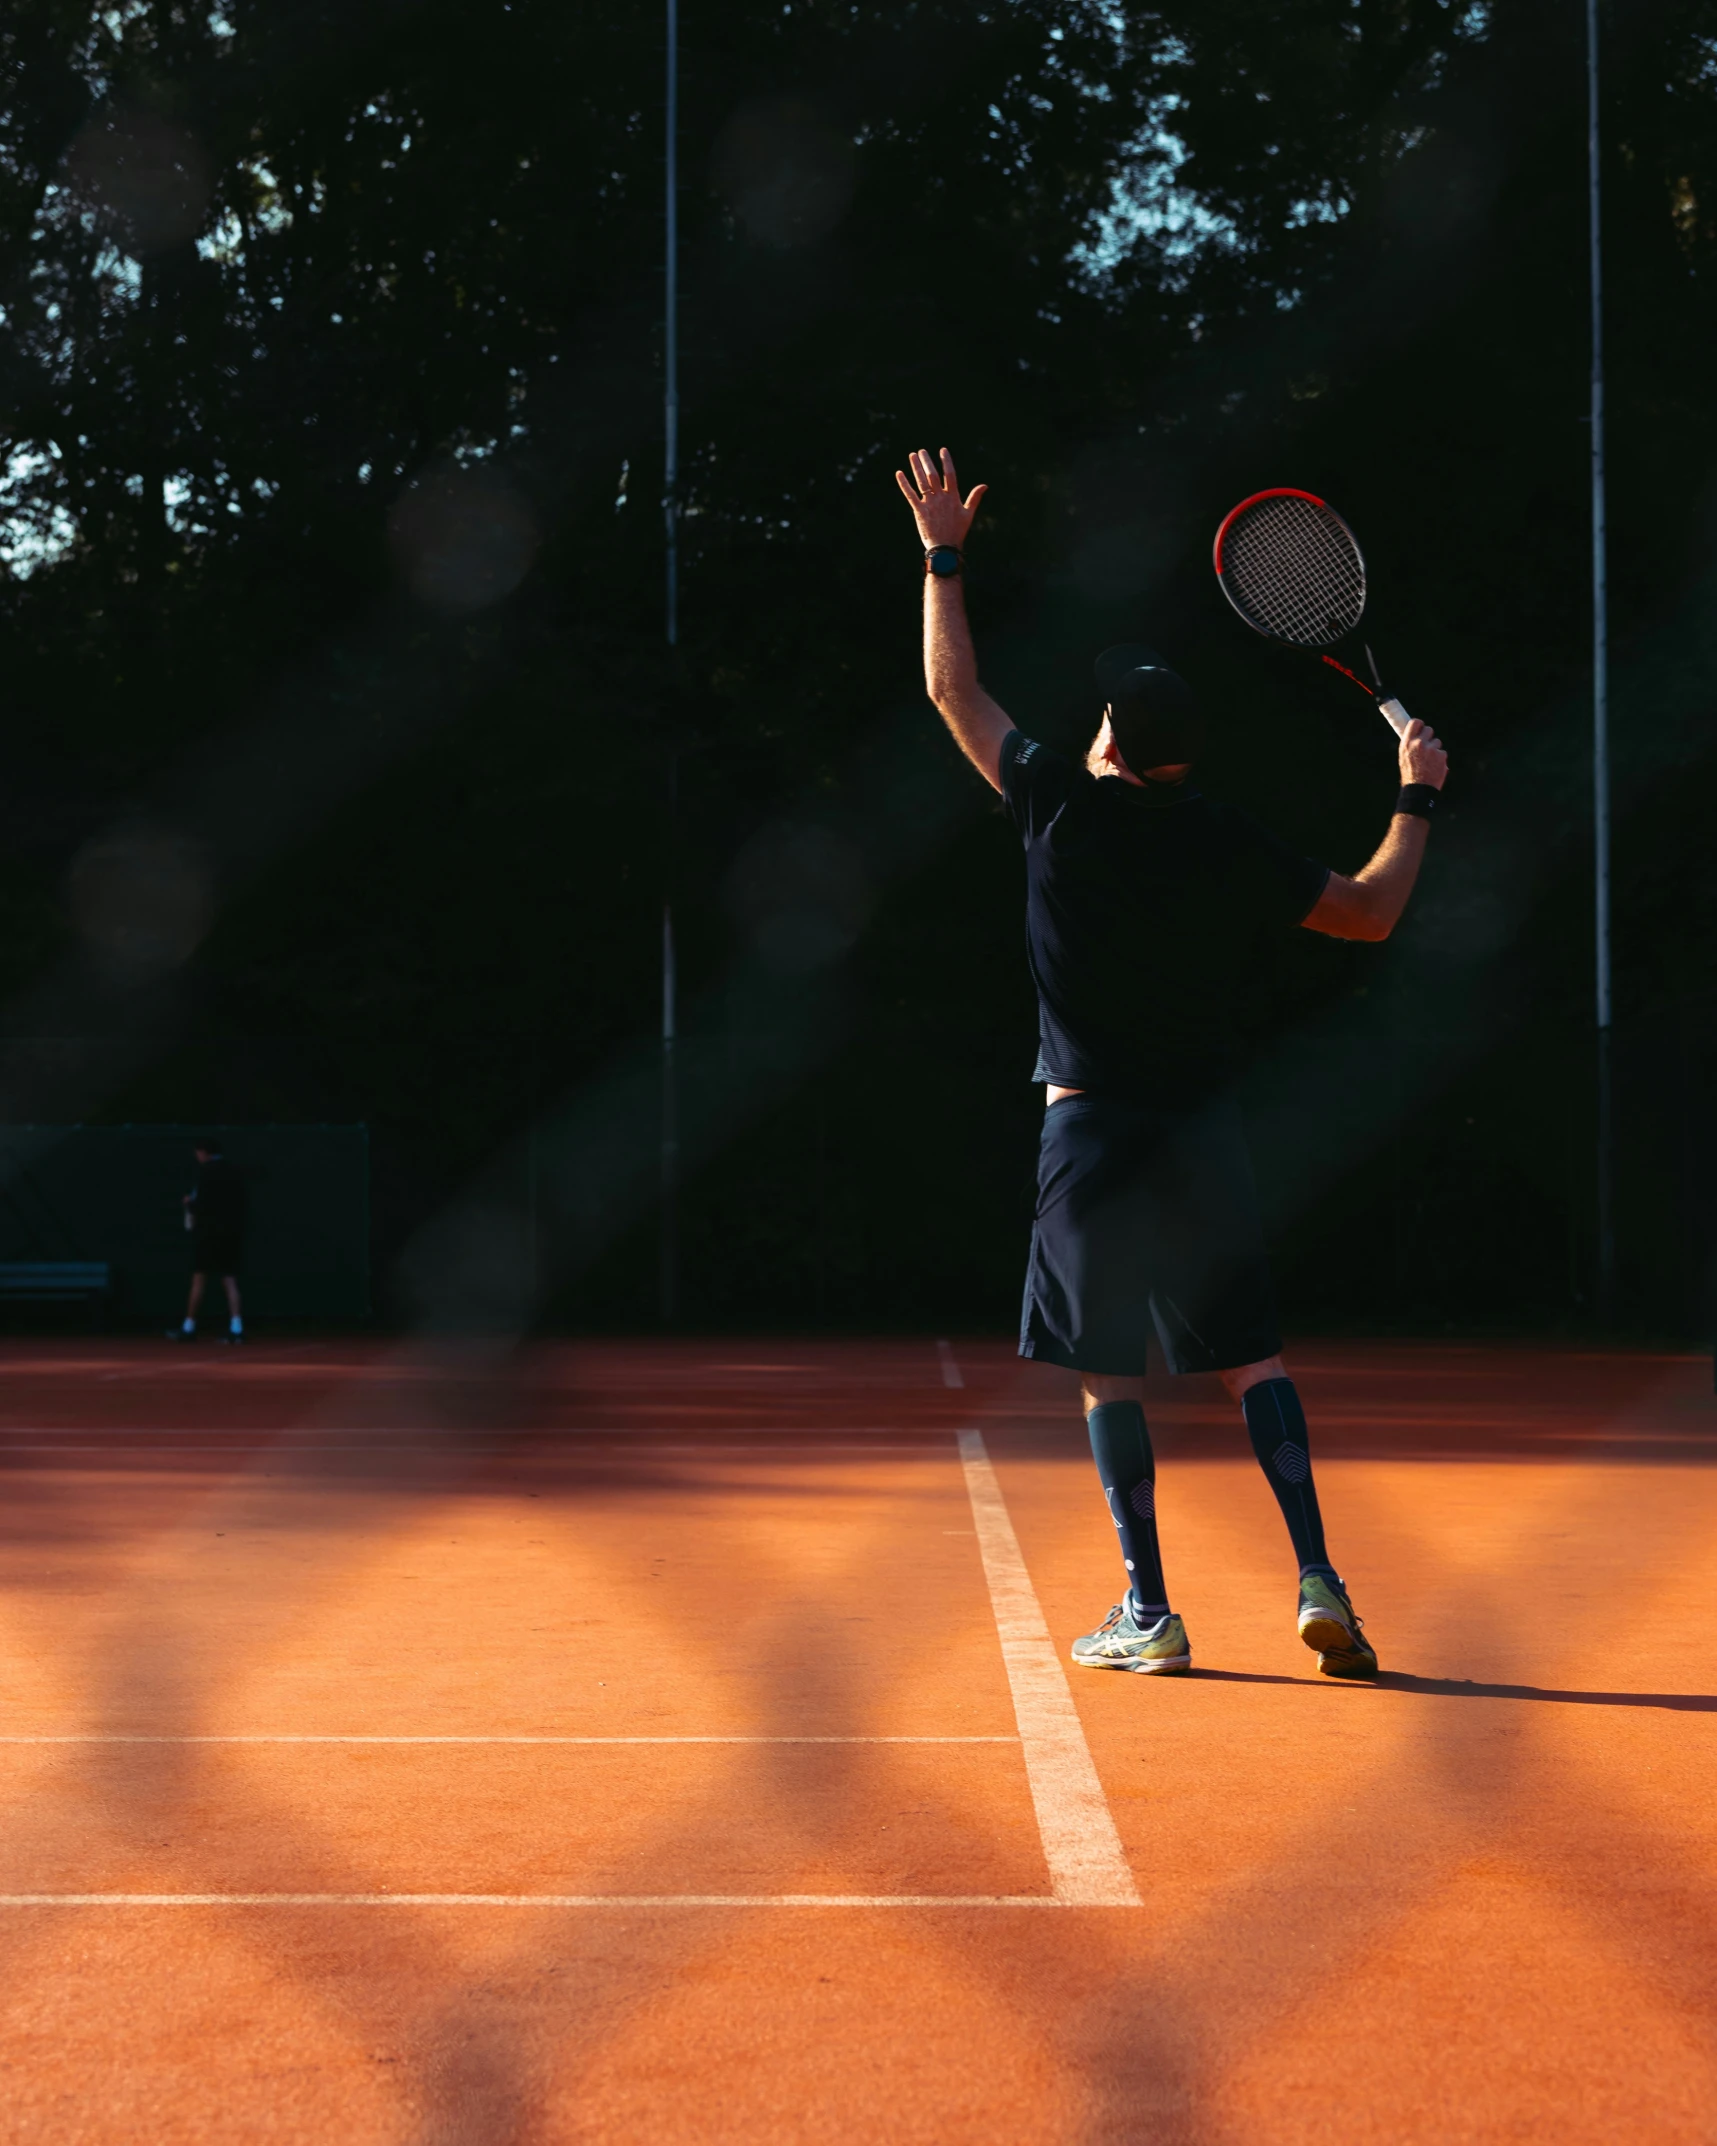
(214, 1215)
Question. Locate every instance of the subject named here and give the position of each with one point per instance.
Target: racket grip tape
(1394, 715)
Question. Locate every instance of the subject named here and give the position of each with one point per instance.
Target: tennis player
(215, 1216)
(1144, 899)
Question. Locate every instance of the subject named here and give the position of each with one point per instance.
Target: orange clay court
(621, 1743)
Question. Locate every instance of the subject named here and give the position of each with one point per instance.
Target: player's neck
(1157, 778)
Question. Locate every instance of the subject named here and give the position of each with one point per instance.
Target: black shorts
(216, 1251)
(1146, 1217)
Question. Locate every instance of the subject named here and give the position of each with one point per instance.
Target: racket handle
(1394, 715)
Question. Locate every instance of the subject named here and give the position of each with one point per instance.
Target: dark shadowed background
(338, 715)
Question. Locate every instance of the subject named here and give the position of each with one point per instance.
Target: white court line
(317, 1739)
(542, 1900)
(1080, 1844)
(951, 1374)
(262, 1443)
(864, 1432)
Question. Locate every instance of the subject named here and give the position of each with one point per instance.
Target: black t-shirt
(1143, 906)
(217, 1205)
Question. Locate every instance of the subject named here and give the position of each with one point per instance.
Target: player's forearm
(1369, 905)
(951, 678)
(1382, 888)
(950, 660)
(1389, 878)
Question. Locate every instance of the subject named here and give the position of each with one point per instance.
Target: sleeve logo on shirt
(1026, 750)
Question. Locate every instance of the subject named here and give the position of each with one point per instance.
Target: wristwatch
(942, 559)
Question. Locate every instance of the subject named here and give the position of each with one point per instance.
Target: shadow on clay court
(342, 1456)
(1677, 1702)
(343, 1460)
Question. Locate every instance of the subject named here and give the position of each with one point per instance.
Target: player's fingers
(948, 476)
(924, 466)
(978, 491)
(911, 490)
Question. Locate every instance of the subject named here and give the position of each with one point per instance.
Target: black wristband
(1418, 800)
(943, 559)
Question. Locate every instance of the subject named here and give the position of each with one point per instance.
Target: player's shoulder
(1037, 782)
(1030, 756)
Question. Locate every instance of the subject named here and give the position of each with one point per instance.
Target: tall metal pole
(1600, 705)
(670, 1106)
(670, 1158)
(671, 331)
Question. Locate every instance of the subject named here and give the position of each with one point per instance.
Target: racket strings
(1291, 568)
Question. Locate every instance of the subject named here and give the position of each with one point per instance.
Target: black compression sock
(1127, 1469)
(1280, 1440)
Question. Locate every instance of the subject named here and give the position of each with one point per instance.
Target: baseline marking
(267, 1442)
(316, 1739)
(951, 1373)
(1080, 1844)
(540, 1900)
(865, 1432)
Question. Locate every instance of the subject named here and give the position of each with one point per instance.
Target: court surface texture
(610, 1742)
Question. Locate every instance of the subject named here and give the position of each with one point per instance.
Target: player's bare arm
(950, 661)
(1369, 905)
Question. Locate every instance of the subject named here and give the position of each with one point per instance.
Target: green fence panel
(114, 1192)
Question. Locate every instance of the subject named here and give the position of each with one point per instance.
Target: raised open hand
(933, 494)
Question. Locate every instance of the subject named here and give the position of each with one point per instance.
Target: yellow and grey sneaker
(1121, 1641)
(1329, 1624)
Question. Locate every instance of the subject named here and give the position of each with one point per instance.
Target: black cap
(1153, 712)
(1117, 663)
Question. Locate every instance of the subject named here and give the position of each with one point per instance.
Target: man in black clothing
(1143, 901)
(214, 1214)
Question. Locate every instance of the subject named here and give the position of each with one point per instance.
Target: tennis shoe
(1121, 1642)
(1330, 1626)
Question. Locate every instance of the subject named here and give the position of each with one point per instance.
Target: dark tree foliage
(340, 712)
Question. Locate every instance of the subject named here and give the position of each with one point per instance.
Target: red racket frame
(1290, 491)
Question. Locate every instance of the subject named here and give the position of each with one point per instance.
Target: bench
(57, 1281)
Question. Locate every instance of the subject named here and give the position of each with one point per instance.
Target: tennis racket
(1294, 571)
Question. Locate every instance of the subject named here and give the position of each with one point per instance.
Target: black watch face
(944, 560)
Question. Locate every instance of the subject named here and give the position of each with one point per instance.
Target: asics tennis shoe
(1329, 1625)
(1156, 1649)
